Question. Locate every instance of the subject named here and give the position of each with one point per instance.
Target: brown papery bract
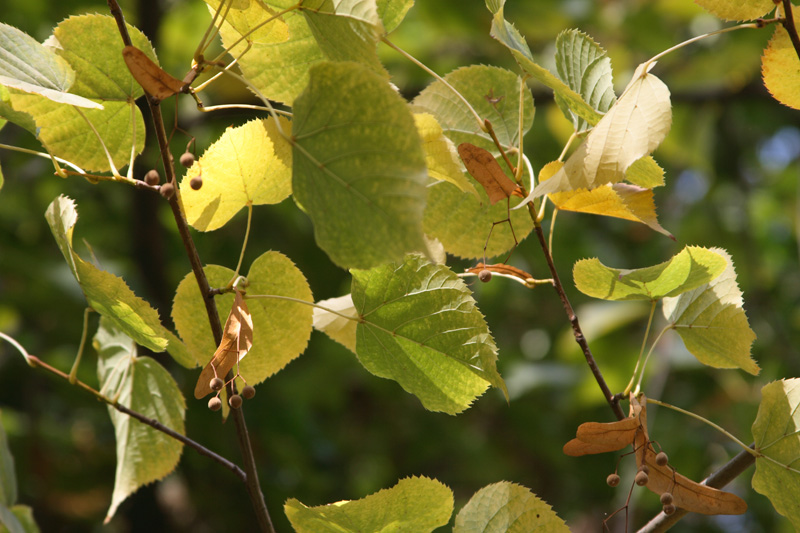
(482, 165)
(150, 76)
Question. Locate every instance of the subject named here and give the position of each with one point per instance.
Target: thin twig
(791, 29)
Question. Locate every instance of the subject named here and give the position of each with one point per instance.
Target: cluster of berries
(235, 401)
(168, 189)
(641, 479)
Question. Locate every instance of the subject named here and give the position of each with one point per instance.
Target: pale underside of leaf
(337, 327)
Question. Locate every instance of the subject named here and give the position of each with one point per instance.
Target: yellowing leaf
(484, 168)
(440, 153)
(738, 9)
(337, 327)
(507, 508)
(712, 323)
(250, 164)
(633, 127)
(780, 67)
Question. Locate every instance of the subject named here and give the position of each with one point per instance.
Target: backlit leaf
(780, 67)
(8, 474)
(359, 170)
(419, 326)
(485, 169)
(776, 431)
(632, 129)
(712, 323)
(689, 269)
(144, 454)
(255, 20)
(249, 165)
(392, 12)
(414, 505)
(645, 173)
(441, 156)
(738, 10)
(335, 326)
(507, 508)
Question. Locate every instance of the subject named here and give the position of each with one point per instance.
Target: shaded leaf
(419, 326)
(21, 519)
(150, 76)
(484, 168)
(8, 474)
(10, 521)
(144, 454)
(414, 505)
(441, 156)
(359, 170)
(776, 431)
(248, 165)
(738, 10)
(689, 269)
(712, 323)
(780, 67)
(337, 327)
(507, 508)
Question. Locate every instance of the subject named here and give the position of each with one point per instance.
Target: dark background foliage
(323, 428)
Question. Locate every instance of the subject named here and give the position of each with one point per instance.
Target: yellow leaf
(440, 154)
(780, 68)
(738, 10)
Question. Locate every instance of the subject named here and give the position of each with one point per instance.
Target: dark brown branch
(788, 23)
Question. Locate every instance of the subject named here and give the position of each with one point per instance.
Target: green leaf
(30, 67)
(739, 10)
(359, 170)
(689, 269)
(392, 12)
(9, 521)
(336, 326)
(494, 94)
(507, 508)
(7, 112)
(281, 328)
(419, 326)
(105, 293)
(8, 475)
(441, 156)
(776, 432)
(414, 505)
(144, 454)
(21, 519)
(712, 323)
(584, 66)
(248, 165)
(646, 173)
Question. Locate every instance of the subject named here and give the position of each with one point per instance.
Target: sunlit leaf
(632, 129)
(248, 165)
(780, 67)
(482, 166)
(144, 454)
(507, 508)
(335, 326)
(689, 269)
(738, 10)
(419, 326)
(255, 22)
(712, 323)
(776, 431)
(441, 157)
(359, 169)
(8, 475)
(645, 173)
(414, 505)
(392, 12)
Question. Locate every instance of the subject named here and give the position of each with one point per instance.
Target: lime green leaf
(584, 66)
(780, 67)
(510, 37)
(30, 67)
(738, 10)
(359, 169)
(712, 323)
(281, 328)
(248, 165)
(646, 173)
(461, 222)
(392, 12)
(689, 269)
(776, 432)
(105, 293)
(414, 505)
(419, 326)
(7, 112)
(256, 21)
(9, 521)
(8, 475)
(493, 93)
(507, 508)
(336, 326)
(440, 154)
(144, 454)
(21, 519)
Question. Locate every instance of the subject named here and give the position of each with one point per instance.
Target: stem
(74, 372)
(19, 348)
(244, 244)
(42, 154)
(299, 301)
(791, 29)
(114, 170)
(641, 351)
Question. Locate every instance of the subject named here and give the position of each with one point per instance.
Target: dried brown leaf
(597, 437)
(482, 165)
(150, 76)
(502, 268)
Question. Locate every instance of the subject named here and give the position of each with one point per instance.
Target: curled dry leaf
(595, 437)
(482, 165)
(503, 269)
(237, 339)
(150, 76)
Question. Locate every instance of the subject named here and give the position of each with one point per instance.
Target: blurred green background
(323, 428)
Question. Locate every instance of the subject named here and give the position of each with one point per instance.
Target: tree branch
(788, 23)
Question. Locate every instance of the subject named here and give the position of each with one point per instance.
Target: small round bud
(195, 183)
(167, 190)
(669, 509)
(235, 401)
(248, 392)
(662, 459)
(642, 478)
(187, 159)
(215, 404)
(666, 498)
(644, 468)
(216, 384)
(485, 275)
(612, 480)
(152, 177)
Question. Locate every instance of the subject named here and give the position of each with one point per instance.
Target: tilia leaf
(739, 10)
(419, 326)
(415, 504)
(510, 508)
(8, 474)
(691, 268)
(144, 454)
(712, 323)
(780, 67)
(484, 168)
(333, 324)
(441, 156)
(776, 431)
